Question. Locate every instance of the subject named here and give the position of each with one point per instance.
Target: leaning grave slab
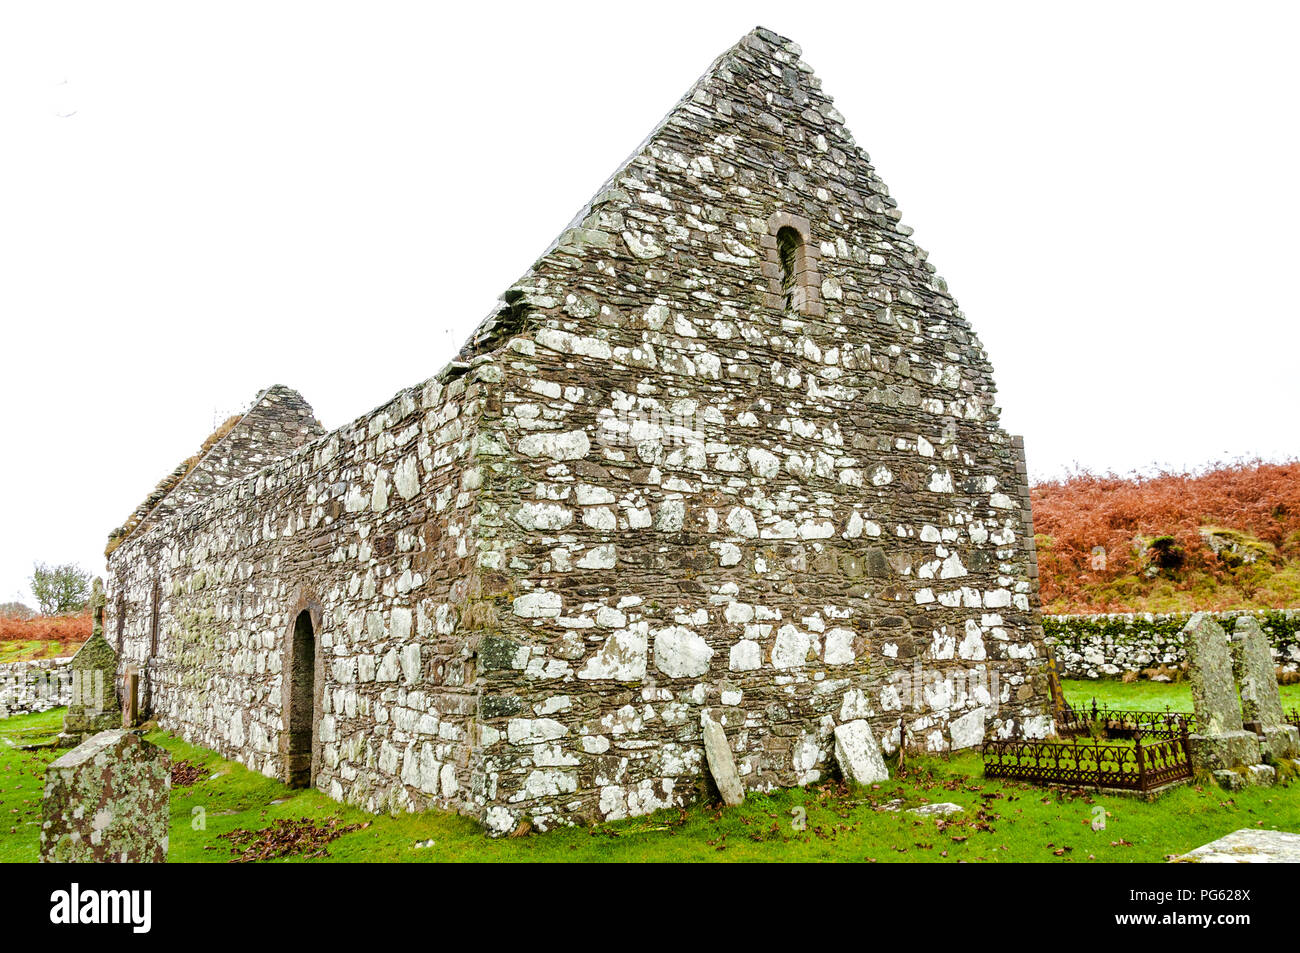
(728, 445)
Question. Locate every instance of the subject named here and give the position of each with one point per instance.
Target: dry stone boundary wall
(1106, 646)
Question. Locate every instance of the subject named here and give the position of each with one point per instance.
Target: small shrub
(1165, 553)
(15, 610)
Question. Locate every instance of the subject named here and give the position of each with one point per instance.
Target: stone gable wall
(707, 501)
(278, 422)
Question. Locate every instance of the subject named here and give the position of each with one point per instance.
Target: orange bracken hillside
(42, 636)
(1227, 538)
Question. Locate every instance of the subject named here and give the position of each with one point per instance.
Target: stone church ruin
(727, 454)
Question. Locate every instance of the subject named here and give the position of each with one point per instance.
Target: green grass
(22, 782)
(1004, 821)
(1153, 696)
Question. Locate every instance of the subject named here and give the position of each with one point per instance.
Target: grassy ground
(1150, 696)
(1002, 821)
(22, 780)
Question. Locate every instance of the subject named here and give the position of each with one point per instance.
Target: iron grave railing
(1122, 749)
(1143, 765)
(1123, 722)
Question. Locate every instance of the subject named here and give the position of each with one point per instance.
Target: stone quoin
(728, 453)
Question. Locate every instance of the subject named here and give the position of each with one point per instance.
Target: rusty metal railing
(1124, 722)
(1144, 765)
(1124, 749)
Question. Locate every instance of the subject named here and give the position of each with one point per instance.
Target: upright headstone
(1220, 742)
(108, 801)
(131, 703)
(1261, 704)
(93, 707)
(1054, 683)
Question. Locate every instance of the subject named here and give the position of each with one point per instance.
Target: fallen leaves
(186, 773)
(287, 837)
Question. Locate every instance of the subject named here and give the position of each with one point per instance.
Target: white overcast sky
(200, 200)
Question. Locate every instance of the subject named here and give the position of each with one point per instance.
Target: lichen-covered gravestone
(1220, 743)
(858, 754)
(1261, 705)
(722, 764)
(93, 707)
(108, 801)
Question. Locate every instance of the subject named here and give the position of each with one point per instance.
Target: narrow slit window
(791, 278)
(153, 620)
(789, 244)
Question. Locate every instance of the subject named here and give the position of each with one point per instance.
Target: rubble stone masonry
(34, 685)
(729, 444)
(1107, 646)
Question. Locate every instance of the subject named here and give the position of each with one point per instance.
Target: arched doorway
(302, 703)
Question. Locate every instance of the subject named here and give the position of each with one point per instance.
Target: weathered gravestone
(108, 801)
(1261, 704)
(131, 699)
(1220, 743)
(722, 764)
(858, 754)
(93, 707)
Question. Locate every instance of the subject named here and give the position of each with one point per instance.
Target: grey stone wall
(370, 525)
(39, 685)
(675, 470)
(704, 499)
(1108, 645)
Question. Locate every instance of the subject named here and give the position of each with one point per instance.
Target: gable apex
(731, 100)
(277, 422)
